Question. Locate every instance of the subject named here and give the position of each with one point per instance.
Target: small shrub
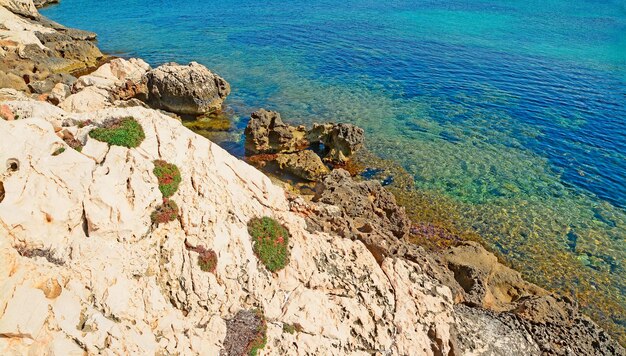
(165, 213)
(168, 176)
(207, 259)
(126, 132)
(270, 242)
(58, 151)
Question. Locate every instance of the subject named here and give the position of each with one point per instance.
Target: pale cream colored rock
(22, 7)
(25, 314)
(27, 108)
(89, 99)
(95, 149)
(60, 92)
(132, 288)
(10, 94)
(62, 345)
(19, 30)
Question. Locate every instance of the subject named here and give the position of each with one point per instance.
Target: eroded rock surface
(33, 48)
(267, 133)
(109, 279)
(304, 164)
(186, 89)
(341, 140)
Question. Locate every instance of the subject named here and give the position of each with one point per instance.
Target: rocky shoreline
(88, 270)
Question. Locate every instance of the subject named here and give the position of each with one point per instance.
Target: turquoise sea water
(515, 110)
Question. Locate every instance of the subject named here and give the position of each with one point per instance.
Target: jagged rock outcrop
(341, 140)
(112, 84)
(267, 136)
(78, 244)
(508, 316)
(267, 133)
(24, 8)
(370, 207)
(186, 89)
(33, 48)
(486, 282)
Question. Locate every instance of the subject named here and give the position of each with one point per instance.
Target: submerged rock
(186, 89)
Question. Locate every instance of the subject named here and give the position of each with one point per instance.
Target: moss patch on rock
(169, 177)
(126, 132)
(270, 242)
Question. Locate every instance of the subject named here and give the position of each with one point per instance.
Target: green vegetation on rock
(169, 177)
(166, 212)
(270, 242)
(261, 335)
(207, 260)
(126, 132)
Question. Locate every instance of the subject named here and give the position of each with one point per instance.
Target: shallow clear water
(515, 110)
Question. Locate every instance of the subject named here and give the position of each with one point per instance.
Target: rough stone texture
(520, 318)
(42, 3)
(480, 332)
(119, 81)
(486, 282)
(559, 328)
(242, 331)
(186, 89)
(304, 164)
(21, 7)
(368, 204)
(32, 48)
(133, 288)
(267, 133)
(341, 140)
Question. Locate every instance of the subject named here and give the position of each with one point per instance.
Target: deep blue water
(515, 109)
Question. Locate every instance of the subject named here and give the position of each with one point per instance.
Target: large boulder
(186, 89)
(304, 164)
(112, 84)
(267, 133)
